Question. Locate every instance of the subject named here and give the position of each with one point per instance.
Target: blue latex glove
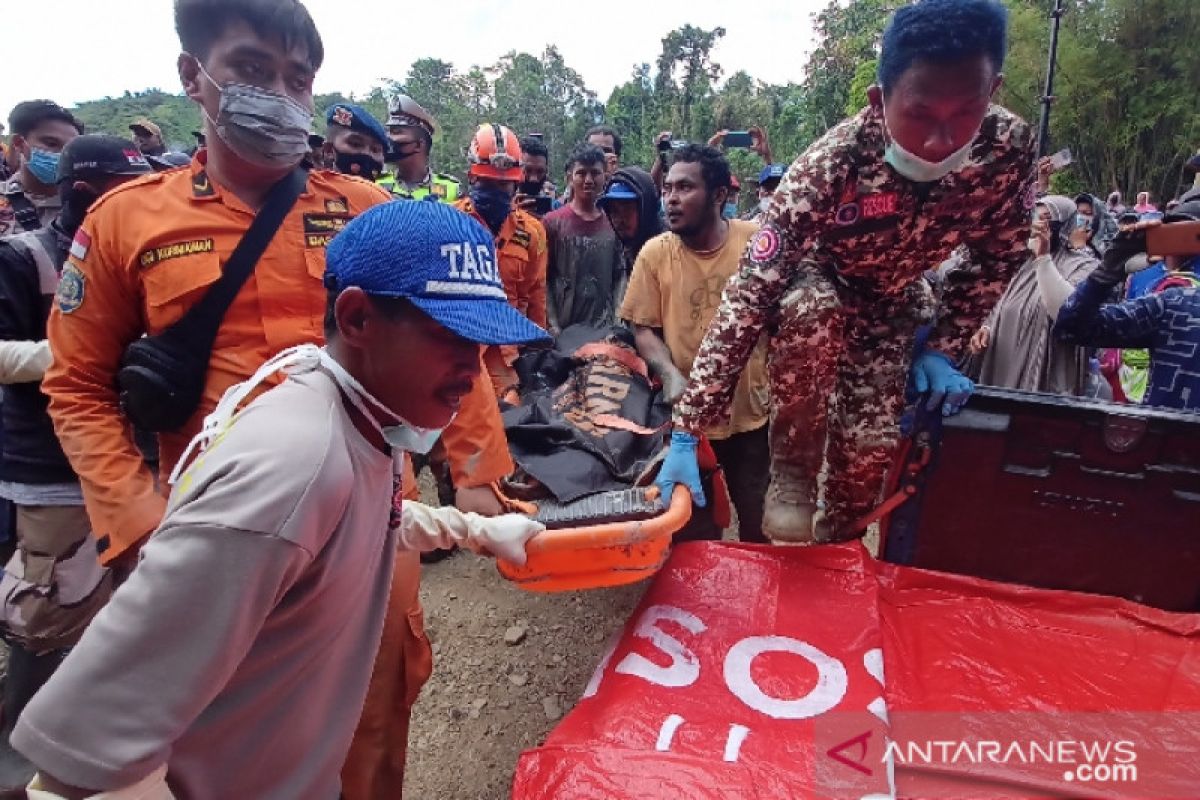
(680, 467)
(933, 372)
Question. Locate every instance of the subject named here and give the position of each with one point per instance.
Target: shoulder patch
(80, 245)
(69, 296)
(765, 245)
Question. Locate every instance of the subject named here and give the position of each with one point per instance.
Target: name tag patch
(319, 229)
(157, 255)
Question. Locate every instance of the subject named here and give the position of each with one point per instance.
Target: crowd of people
(213, 587)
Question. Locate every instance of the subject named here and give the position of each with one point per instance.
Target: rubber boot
(26, 674)
(790, 505)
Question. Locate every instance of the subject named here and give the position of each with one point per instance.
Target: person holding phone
(1165, 323)
(532, 196)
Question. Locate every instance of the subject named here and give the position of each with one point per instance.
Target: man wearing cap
(54, 583)
(494, 171)
(132, 272)
(148, 137)
(768, 182)
(631, 203)
(410, 129)
(290, 509)
(355, 142)
(40, 130)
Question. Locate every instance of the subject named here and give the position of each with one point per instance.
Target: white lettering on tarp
(829, 690)
(685, 665)
(873, 663)
(667, 732)
(452, 252)
(733, 745)
(486, 265)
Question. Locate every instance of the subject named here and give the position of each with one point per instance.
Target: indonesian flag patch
(80, 245)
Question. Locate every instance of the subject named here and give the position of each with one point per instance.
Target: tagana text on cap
(442, 260)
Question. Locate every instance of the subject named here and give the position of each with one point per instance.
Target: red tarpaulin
(758, 672)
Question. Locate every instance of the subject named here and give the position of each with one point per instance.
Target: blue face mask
(494, 205)
(730, 210)
(43, 165)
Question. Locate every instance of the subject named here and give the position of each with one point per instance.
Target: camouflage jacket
(842, 210)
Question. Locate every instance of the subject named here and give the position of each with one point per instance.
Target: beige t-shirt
(239, 651)
(678, 290)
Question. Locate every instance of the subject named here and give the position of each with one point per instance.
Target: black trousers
(745, 459)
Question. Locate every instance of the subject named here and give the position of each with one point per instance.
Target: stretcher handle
(616, 534)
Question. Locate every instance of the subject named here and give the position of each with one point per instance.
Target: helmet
(403, 110)
(495, 153)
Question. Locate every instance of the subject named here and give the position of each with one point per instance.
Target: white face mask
(918, 169)
(297, 360)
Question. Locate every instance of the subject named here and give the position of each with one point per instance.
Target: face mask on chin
(917, 169)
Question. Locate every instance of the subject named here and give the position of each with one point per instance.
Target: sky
(366, 40)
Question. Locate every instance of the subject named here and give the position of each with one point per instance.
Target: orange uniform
(523, 255)
(147, 251)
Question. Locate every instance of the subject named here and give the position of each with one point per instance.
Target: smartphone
(1173, 239)
(738, 139)
(542, 205)
(1061, 159)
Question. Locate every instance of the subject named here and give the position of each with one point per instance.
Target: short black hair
(713, 166)
(606, 130)
(532, 146)
(585, 154)
(200, 23)
(391, 307)
(28, 115)
(942, 32)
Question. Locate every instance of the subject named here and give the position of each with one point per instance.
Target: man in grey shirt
(235, 660)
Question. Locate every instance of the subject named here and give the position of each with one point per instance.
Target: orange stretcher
(629, 547)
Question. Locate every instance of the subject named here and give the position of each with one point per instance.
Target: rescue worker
(355, 142)
(494, 171)
(236, 659)
(837, 268)
(149, 250)
(40, 130)
(410, 129)
(54, 584)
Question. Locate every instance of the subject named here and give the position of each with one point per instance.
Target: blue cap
(618, 190)
(442, 260)
(772, 172)
(356, 118)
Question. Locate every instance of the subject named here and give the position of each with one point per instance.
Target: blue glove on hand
(933, 372)
(680, 467)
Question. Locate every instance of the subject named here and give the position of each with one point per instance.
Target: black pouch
(161, 377)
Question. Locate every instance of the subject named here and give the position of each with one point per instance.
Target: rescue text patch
(168, 251)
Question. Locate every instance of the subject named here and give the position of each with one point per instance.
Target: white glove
(425, 528)
(24, 362)
(151, 787)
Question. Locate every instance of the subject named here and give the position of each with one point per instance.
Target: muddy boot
(789, 509)
(26, 674)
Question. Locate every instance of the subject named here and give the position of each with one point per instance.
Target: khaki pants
(374, 768)
(54, 584)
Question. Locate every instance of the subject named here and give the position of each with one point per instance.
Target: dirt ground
(488, 700)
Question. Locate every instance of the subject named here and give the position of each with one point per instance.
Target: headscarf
(1023, 354)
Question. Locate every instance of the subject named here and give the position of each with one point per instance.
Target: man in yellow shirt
(673, 294)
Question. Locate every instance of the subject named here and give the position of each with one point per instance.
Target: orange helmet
(495, 153)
